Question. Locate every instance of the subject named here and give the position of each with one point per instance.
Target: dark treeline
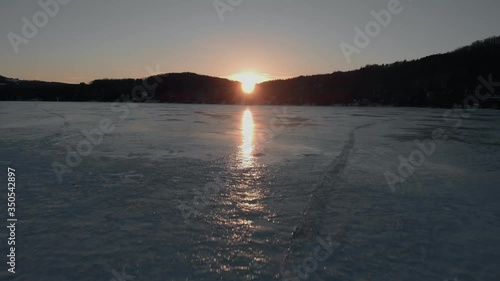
(175, 87)
(438, 80)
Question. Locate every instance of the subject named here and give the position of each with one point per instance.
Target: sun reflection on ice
(239, 222)
(247, 130)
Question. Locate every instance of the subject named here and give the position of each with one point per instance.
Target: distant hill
(437, 80)
(173, 87)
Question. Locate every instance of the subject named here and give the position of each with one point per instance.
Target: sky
(80, 41)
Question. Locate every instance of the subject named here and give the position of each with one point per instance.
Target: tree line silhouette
(439, 80)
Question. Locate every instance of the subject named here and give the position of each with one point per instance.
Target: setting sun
(248, 81)
(248, 87)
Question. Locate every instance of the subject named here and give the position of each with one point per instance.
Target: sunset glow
(248, 81)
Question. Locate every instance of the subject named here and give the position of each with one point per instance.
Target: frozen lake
(210, 192)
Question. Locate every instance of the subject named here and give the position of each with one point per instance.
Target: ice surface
(262, 190)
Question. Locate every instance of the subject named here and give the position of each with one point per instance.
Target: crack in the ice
(314, 209)
(58, 132)
(66, 123)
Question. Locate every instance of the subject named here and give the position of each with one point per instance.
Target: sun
(248, 87)
(248, 81)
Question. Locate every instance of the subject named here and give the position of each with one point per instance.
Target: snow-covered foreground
(201, 192)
